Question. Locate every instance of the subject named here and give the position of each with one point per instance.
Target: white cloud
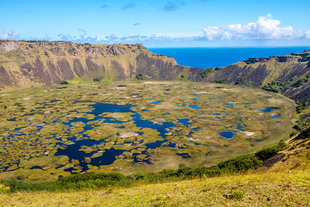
(307, 34)
(110, 39)
(265, 28)
(8, 35)
(265, 31)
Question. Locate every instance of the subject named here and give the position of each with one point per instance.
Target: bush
(208, 171)
(275, 86)
(64, 83)
(300, 125)
(301, 107)
(300, 82)
(206, 72)
(96, 80)
(92, 177)
(270, 151)
(20, 186)
(240, 164)
(139, 76)
(184, 172)
(168, 173)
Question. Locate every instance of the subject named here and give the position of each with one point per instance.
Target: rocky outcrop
(256, 60)
(7, 46)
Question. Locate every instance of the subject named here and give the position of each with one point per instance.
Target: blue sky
(159, 23)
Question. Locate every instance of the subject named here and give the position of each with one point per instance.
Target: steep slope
(286, 74)
(296, 155)
(27, 64)
(266, 189)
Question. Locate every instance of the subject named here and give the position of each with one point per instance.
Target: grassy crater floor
(132, 127)
(266, 189)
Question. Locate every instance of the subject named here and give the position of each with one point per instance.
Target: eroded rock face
(73, 51)
(7, 46)
(4, 77)
(256, 60)
(58, 51)
(47, 63)
(115, 50)
(287, 58)
(292, 72)
(27, 64)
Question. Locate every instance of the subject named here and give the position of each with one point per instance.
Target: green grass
(266, 189)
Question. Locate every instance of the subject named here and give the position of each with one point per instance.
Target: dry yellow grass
(266, 189)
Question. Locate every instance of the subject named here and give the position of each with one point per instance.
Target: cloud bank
(265, 31)
(8, 35)
(265, 28)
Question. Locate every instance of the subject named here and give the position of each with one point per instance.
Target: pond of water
(155, 102)
(74, 149)
(227, 134)
(193, 107)
(269, 109)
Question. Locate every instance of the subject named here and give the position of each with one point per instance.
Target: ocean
(220, 57)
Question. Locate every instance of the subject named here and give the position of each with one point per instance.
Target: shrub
(300, 82)
(275, 86)
(301, 107)
(240, 164)
(270, 151)
(20, 186)
(139, 76)
(184, 172)
(64, 83)
(96, 80)
(91, 177)
(208, 171)
(300, 125)
(206, 72)
(168, 173)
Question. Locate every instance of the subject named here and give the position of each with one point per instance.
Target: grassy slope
(267, 189)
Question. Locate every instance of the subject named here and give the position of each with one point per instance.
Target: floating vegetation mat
(132, 127)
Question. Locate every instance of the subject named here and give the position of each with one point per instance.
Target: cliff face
(27, 64)
(287, 74)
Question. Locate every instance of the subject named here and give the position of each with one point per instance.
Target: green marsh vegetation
(237, 165)
(37, 123)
